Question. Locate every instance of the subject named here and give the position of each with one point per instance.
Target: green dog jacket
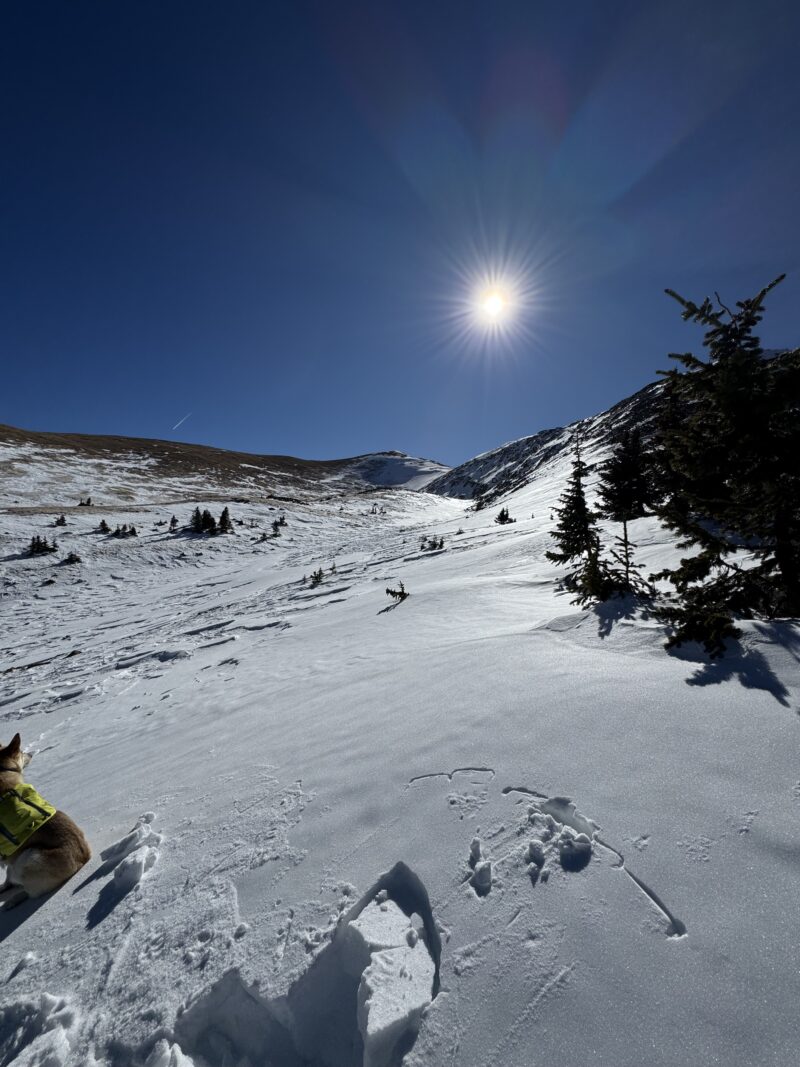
(22, 811)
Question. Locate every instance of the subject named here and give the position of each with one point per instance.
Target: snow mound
(141, 838)
(37, 1032)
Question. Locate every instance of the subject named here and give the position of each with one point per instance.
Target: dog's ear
(14, 745)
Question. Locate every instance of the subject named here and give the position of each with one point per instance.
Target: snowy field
(476, 828)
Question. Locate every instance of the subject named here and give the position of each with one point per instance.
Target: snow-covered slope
(40, 469)
(475, 828)
(492, 475)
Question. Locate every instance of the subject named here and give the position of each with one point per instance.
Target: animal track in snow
(359, 1004)
(556, 824)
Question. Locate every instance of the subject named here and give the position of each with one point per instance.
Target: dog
(41, 847)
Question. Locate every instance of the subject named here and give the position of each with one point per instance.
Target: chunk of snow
(166, 1055)
(380, 925)
(141, 834)
(134, 867)
(481, 880)
(394, 991)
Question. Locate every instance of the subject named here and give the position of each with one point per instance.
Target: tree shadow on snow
(612, 611)
(786, 634)
(748, 666)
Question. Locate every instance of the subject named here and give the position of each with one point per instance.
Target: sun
(489, 301)
(494, 305)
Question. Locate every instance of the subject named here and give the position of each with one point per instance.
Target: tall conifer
(729, 448)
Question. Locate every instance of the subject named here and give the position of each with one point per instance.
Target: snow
(322, 779)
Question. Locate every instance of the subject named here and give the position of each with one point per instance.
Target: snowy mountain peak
(47, 468)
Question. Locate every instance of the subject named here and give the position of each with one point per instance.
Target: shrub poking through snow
(60, 521)
(503, 518)
(316, 577)
(125, 531)
(431, 544)
(73, 557)
(276, 528)
(40, 546)
(399, 594)
(103, 527)
(173, 524)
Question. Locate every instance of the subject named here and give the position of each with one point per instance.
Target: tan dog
(51, 854)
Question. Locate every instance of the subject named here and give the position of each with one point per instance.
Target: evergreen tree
(578, 540)
(225, 524)
(208, 524)
(196, 522)
(173, 524)
(576, 526)
(625, 493)
(730, 440)
(61, 521)
(104, 528)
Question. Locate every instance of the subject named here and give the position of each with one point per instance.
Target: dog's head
(12, 756)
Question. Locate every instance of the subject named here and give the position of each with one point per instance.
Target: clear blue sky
(264, 213)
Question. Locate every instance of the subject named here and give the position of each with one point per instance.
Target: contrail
(181, 421)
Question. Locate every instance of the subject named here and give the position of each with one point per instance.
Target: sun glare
(494, 305)
(491, 301)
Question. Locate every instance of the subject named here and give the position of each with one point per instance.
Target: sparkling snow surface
(585, 849)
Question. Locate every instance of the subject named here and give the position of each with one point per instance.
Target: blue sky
(272, 216)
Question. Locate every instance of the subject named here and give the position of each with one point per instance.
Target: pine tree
(626, 492)
(196, 523)
(225, 524)
(576, 527)
(578, 540)
(730, 440)
(208, 524)
(173, 524)
(103, 528)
